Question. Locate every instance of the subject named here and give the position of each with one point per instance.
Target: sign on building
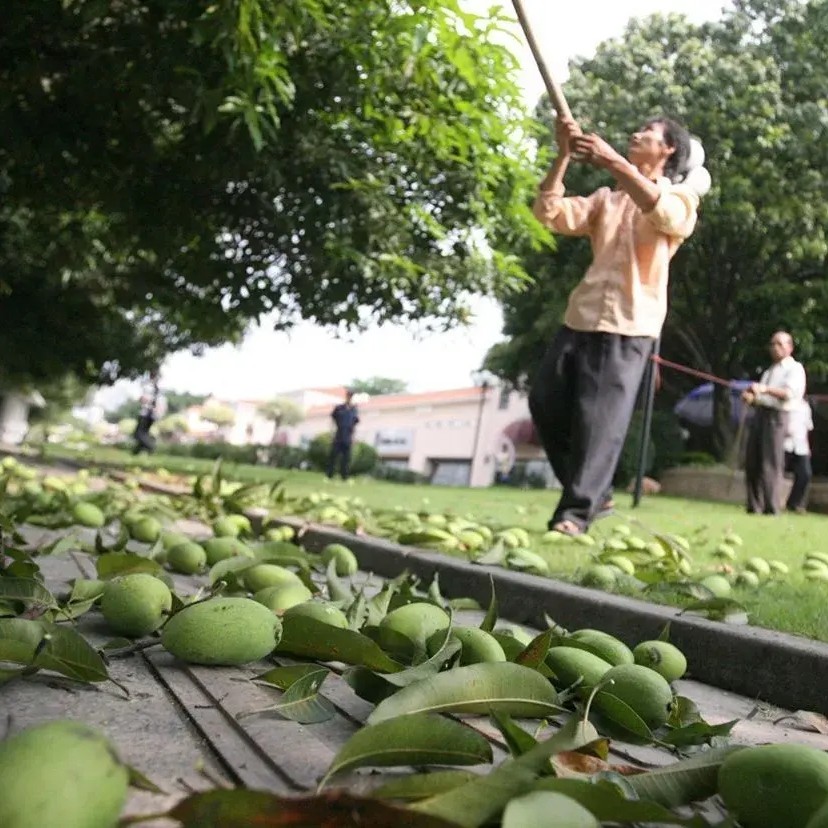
(394, 442)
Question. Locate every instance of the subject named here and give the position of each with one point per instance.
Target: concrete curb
(774, 667)
(781, 669)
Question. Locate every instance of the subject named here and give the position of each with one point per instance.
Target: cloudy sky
(267, 363)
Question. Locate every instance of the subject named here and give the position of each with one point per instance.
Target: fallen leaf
(573, 763)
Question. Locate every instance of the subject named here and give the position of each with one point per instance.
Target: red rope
(712, 377)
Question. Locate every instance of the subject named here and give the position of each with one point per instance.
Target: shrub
(396, 475)
(363, 457)
(697, 458)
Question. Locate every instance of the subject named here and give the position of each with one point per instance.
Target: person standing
(583, 394)
(346, 417)
(798, 455)
(779, 391)
(152, 407)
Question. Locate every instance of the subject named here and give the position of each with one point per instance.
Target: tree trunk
(723, 432)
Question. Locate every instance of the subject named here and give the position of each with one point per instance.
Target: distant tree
(281, 412)
(128, 409)
(377, 386)
(172, 425)
(179, 400)
(219, 414)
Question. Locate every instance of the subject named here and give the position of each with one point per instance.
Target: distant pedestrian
(153, 406)
(798, 455)
(778, 392)
(346, 417)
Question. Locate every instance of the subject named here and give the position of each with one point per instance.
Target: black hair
(678, 138)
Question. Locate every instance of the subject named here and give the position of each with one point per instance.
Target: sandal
(567, 527)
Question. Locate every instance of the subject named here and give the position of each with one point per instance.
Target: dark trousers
(582, 399)
(144, 441)
(800, 466)
(765, 460)
(341, 450)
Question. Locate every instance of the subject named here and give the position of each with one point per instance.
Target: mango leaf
(477, 688)
(67, 652)
(680, 783)
(423, 785)
(75, 609)
(338, 590)
(434, 594)
(698, 733)
(617, 712)
(301, 702)
(517, 739)
(379, 604)
(223, 570)
(142, 783)
(450, 648)
(664, 635)
(358, 611)
(488, 623)
(283, 677)
(496, 556)
(421, 739)
(369, 685)
(84, 589)
(28, 591)
(19, 640)
(719, 609)
(683, 712)
(309, 638)
(59, 546)
(608, 804)
(113, 564)
(481, 800)
(536, 807)
(535, 652)
(333, 809)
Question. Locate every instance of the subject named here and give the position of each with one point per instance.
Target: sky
(268, 363)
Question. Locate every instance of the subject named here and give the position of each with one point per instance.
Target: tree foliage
(377, 386)
(172, 171)
(753, 87)
(282, 411)
(219, 414)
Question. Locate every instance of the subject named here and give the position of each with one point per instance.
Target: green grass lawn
(793, 604)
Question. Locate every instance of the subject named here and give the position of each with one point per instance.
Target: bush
(664, 452)
(363, 457)
(521, 477)
(396, 475)
(211, 451)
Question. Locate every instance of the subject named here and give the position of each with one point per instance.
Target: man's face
(647, 146)
(780, 347)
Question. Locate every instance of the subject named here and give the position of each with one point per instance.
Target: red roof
(409, 400)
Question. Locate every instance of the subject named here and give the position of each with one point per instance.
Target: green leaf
(242, 809)
(423, 785)
(680, 783)
(358, 611)
(719, 609)
(450, 648)
(482, 799)
(28, 591)
(68, 653)
(142, 783)
(517, 739)
(458, 604)
(222, 570)
(369, 685)
(84, 589)
(301, 702)
(477, 688)
(309, 638)
(535, 652)
(379, 604)
(607, 803)
(664, 635)
(59, 546)
(697, 733)
(434, 594)
(617, 712)
(412, 740)
(113, 564)
(283, 677)
(535, 808)
(337, 589)
(488, 623)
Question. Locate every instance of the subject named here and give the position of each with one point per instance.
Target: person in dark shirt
(346, 417)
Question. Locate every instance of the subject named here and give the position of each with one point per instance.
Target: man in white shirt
(779, 391)
(153, 406)
(798, 455)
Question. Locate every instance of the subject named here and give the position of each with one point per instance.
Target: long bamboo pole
(552, 86)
